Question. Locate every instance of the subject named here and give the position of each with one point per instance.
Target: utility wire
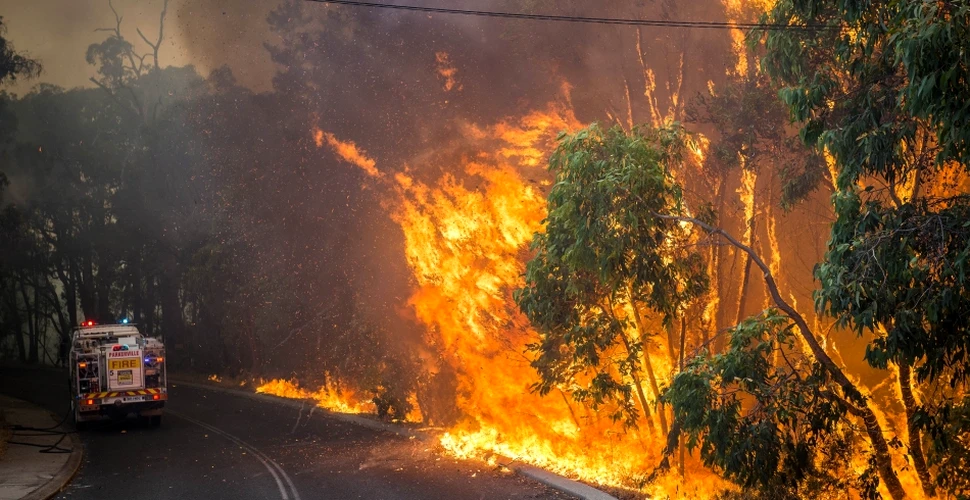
(585, 20)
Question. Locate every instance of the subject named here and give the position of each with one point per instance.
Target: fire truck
(115, 372)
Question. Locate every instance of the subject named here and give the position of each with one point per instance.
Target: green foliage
(905, 270)
(945, 427)
(751, 131)
(884, 91)
(932, 44)
(759, 415)
(603, 246)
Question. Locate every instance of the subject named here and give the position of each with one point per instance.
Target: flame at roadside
(326, 397)
(466, 241)
(466, 238)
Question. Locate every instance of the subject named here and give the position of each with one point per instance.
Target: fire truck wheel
(155, 420)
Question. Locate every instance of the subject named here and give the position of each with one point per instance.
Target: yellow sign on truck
(116, 371)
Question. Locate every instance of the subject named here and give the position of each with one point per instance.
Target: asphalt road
(212, 445)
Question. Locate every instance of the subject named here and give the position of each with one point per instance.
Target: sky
(206, 33)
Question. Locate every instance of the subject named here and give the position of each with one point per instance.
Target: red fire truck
(116, 372)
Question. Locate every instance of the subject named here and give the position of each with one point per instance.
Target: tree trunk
(136, 297)
(32, 355)
(647, 364)
(873, 429)
(85, 281)
(18, 323)
(639, 387)
(70, 291)
(171, 310)
(717, 257)
(745, 279)
(149, 305)
(683, 347)
(62, 325)
(915, 446)
(671, 341)
(104, 280)
(572, 413)
(883, 458)
(41, 334)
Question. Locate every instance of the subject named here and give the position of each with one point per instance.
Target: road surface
(214, 446)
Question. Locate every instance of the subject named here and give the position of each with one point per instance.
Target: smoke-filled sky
(205, 33)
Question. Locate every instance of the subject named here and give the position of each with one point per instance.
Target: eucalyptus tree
(607, 274)
(882, 87)
(766, 412)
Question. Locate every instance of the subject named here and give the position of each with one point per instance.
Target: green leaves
(603, 249)
(886, 96)
(902, 272)
(759, 415)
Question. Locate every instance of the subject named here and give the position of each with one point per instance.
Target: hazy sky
(206, 33)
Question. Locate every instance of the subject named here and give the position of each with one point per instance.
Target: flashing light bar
(89, 322)
(124, 321)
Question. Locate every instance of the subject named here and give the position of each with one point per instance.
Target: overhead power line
(660, 23)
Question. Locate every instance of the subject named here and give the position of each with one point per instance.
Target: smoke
(414, 93)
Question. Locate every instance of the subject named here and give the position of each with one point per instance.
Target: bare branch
(161, 33)
(118, 19)
(143, 37)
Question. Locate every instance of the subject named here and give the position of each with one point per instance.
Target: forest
(675, 262)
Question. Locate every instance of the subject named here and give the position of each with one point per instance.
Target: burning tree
(881, 94)
(620, 246)
(882, 90)
(607, 275)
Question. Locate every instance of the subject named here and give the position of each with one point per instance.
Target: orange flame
(466, 241)
(466, 238)
(326, 397)
(447, 71)
(348, 151)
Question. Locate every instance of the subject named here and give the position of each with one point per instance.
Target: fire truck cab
(115, 372)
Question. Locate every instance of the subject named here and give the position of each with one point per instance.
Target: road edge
(65, 474)
(550, 479)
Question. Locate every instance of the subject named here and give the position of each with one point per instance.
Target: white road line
(274, 469)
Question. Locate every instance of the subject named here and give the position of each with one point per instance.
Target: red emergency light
(89, 322)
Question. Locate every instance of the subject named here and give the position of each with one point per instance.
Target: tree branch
(863, 411)
(161, 31)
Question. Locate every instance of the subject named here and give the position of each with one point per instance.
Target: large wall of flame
(424, 223)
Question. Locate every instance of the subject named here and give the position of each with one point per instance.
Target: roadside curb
(552, 480)
(66, 473)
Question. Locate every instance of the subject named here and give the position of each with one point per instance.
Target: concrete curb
(555, 481)
(67, 472)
